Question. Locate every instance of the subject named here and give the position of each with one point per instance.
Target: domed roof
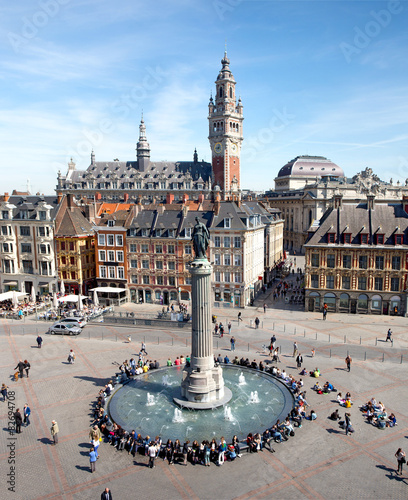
(311, 166)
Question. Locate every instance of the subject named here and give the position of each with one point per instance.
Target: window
(237, 260)
(7, 247)
(159, 280)
(146, 280)
(362, 262)
(227, 223)
(72, 261)
(378, 283)
(111, 223)
(133, 247)
(45, 268)
(144, 248)
(227, 259)
(111, 256)
(145, 264)
(172, 281)
(396, 262)
(227, 241)
(119, 240)
(331, 237)
(133, 263)
(110, 240)
(71, 246)
(227, 278)
(187, 232)
(119, 256)
(346, 282)
(347, 261)
(5, 214)
(379, 262)
(171, 264)
(28, 266)
(23, 214)
(315, 260)
(63, 261)
(133, 279)
(159, 264)
(362, 283)
(364, 238)
(42, 215)
(43, 231)
(24, 231)
(187, 249)
(121, 272)
(8, 266)
(237, 241)
(380, 239)
(111, 271)
(314, 280)
(217, 276)
(5, 230)
(25, 247)
(101, 239)
(170, 249)
(394, 284)
(62, 245)
(237, 277)
(217, 241)
(331, 260)
(44, 249)
(217, 259)
(159, 249)
(330, 281)
(145, 233)
(102, 255)
(398, 239)
(347, 238)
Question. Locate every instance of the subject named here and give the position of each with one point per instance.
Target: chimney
(59, 197)
(98, 196)
(125, 197)
(6, 197)
(185, 210)
(90, 212)
(70, 199)
(185, 198)
(201, 198)
(217, 203)
(370, 202)
(169, 198)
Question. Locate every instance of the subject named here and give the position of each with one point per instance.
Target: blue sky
(326, 78)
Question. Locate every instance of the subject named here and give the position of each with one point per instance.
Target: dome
(311, 166)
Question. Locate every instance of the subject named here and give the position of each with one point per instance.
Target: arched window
(310, 216)
(362, 301)
(231, 92)
(237, 126)
(344, 300)
(221, 92)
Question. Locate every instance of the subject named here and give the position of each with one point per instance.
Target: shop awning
(10, 282)
(9, 295)
(108, 289)
(72, 298)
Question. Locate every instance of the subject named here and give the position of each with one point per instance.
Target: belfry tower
(225, 132)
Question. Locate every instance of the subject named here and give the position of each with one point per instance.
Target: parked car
(65, 329)
(73, 320)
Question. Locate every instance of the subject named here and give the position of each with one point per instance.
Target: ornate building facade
(357, 258)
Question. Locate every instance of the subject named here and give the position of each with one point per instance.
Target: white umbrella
(80, 305)
(55, 301)
(33, 296)
(15, 299)
(62, 288)
(95, 298)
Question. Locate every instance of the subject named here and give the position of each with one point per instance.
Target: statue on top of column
(201, 239)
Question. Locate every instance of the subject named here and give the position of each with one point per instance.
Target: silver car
(64, 329)
(77, 321)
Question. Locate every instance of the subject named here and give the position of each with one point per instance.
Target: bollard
(365, 355)
(273, 327)
(383, 356)
(102, 334)
(316, 336)
(401, 359)
(344, 339)
(284, 328)
(392, 343)
(330, 352)
(376, 340)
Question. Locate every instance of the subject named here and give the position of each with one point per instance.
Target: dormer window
(42, 215)
(364, 238)
(380, 239)
(111, 223)
(331, 237)
(227, 223)
(199, 186)
(5, 214)
(399, 239)
(187, 232)
(24, 214)
(347, 238)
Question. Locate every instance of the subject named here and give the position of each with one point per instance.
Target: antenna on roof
(28, 186)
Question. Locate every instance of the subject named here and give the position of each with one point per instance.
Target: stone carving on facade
(367, 182)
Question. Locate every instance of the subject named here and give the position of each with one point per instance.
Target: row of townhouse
(145, 249)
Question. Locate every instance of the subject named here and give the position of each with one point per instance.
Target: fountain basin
(132, 407)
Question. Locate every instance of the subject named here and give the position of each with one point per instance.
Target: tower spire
(143, 147)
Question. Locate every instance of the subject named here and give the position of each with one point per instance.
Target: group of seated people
(132, 367)
(376, 414)
(326, 388)
(313, 373)
(345, 401)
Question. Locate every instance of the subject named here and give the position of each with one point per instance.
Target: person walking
(389, 333)
(232, 341)
(325, 307)
(20, 368)
(240, 317)
(349, 428)
(299, 360)
(295, 349)
(264, 306)
(348, 361)
(27, 367)
(229, 328)
(39, 341)
(221, 330)
(54, 431)
(71, 357)
(27, 413)
(106, 494)
(18, 420)
(257, 321)
(152, 454)
(401, 459)
(143, 349)
(4, 392)
(92, 459)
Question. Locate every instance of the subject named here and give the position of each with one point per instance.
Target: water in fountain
(228, 413)
(241, 379)
(178, 416)
(150, 400)
(254, 398)
(165, 380)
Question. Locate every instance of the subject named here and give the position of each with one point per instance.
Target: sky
(325, 78)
